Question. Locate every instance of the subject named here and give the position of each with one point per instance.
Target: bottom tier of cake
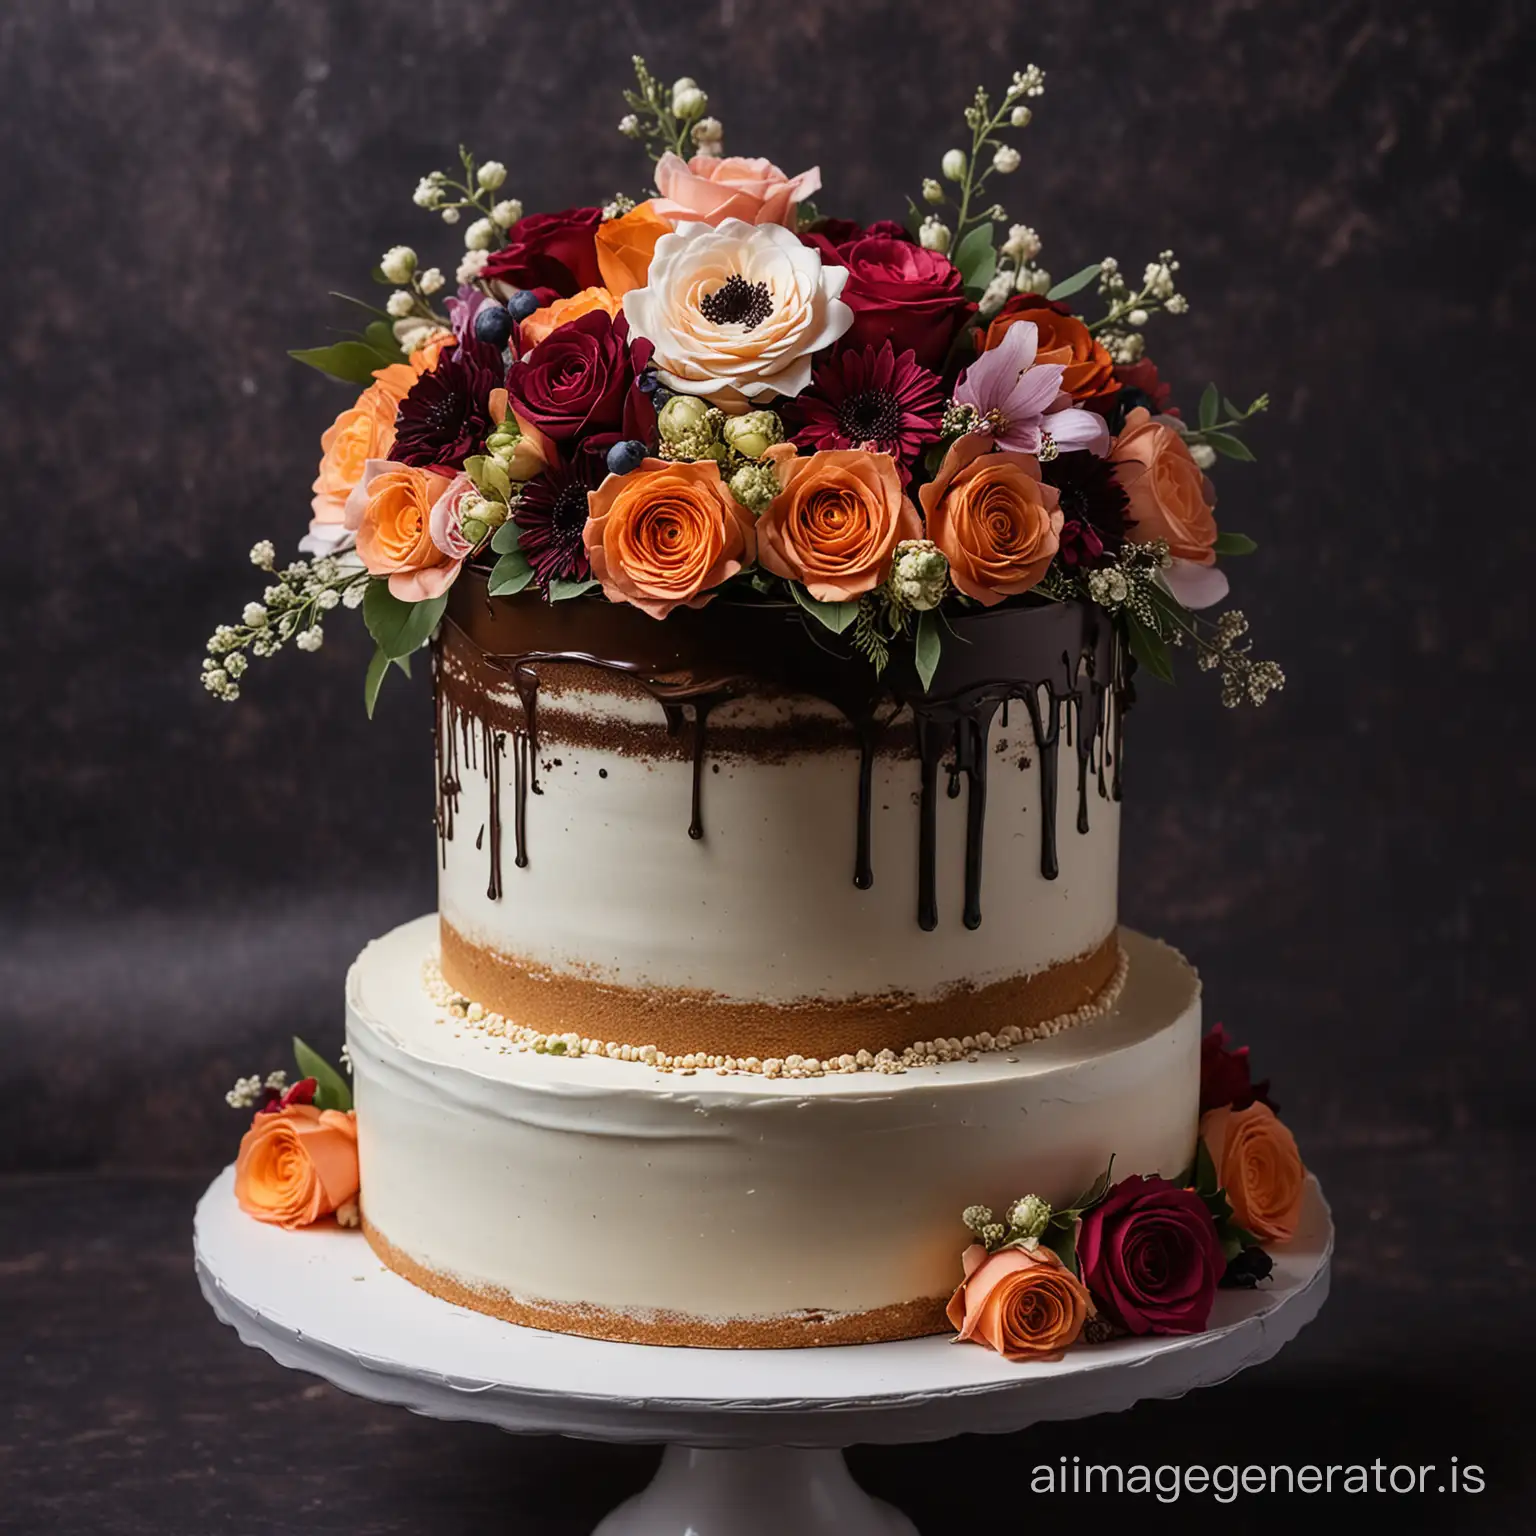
(600, 1197)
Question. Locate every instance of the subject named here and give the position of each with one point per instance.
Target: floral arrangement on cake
(1143, 1255)
(298, 1160)
(716, 390)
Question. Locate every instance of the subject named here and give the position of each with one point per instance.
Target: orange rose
(1064, 339)
(836, 521)
(1259, 1167)
(365, 430)
(1025, 1305)
(997, 522)
(541, 322)
(297, 1165)
(625, 246)
(394, 537)
(661, 536)
(425, 355)
(1169, 496)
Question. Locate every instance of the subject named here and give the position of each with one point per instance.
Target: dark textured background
(1349, 188)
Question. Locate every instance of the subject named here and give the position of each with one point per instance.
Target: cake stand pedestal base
(754, 1437)
(773, 1491)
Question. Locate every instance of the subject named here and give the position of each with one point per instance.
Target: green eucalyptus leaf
(1233, 414)
(380, 335)
(1231, 447)
(1074, 284)
(354, 362)
(377, 669)
(1210, 406)
(331, 1090)
(1096, 1191)
(509, 575)
(505, 539)
(1233, 544)
(1148, 649)
(399, 627)
(929, 644)
(835, 616)
(976, 258)
(561, 590)
(1062, 1241)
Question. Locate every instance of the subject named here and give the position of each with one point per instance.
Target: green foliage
(928, 646)
(1149, 648)
(561, 590)
(834, 616)
(1228, 446)
(1210, 407)
(1234, 544)
(510, 574)
(976, 258)
(506, 538)
(354, 362)
(1074, 284)
(331, 1090)
(399, 628)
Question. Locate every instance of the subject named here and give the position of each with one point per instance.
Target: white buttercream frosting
(607, 1184)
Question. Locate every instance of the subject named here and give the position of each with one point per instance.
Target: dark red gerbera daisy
(868, 397)
(550, 518)
(1093, 504)
(446, 417)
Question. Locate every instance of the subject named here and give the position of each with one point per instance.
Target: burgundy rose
(446, 416)
(274, 1102)
(578, 380)
(901, 293)
(1225, 1081)
(553, 255)
(1150, 1256)
(829, 236)
(1152, 391)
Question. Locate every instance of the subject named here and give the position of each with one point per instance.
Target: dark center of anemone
(737, 302)
(871, 416)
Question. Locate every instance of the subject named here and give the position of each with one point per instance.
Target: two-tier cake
(787, 585)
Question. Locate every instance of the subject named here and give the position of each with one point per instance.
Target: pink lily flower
(1022, 404)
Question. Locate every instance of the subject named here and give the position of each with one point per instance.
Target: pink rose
(707, 190)
(445, 521)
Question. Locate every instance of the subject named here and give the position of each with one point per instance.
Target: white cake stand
(754, 1438)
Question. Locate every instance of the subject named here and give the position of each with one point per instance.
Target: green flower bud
(755, 485)
(919, 575)
(1028, 1218)
(753, 434)
(681, 417)
(473, 529)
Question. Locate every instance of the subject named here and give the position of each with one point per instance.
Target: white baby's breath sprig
(1128, 308)
(292, 608)
(669, 118)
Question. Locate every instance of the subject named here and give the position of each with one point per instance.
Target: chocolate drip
(1061, 660)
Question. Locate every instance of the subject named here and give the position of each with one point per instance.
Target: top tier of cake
(720, 835)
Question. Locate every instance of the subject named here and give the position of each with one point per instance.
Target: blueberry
(625, 456)
(493, 325)
(647, 383)
(660, 395)
(522, 304)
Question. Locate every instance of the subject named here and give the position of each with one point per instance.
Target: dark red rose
(552, 255)
(578, 380)
(1225, 1080)
(1150, 1256)
(1143, 378)
(446, 415)
(901, 293)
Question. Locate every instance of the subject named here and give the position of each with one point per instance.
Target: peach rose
(1064, 339)
(836, 521)
(661, 536)
(392, 508)
(709, 190)
(1169, 497)
(1259, 1167)
(1027, 1305)
(297, 1165)
(625, 246)
(365, 430)
(997, 522)
(425, 355)
(541, 322)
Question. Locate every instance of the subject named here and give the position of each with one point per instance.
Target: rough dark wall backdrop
(1348, 186)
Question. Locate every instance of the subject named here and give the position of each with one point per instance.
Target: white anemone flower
(735, 311)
